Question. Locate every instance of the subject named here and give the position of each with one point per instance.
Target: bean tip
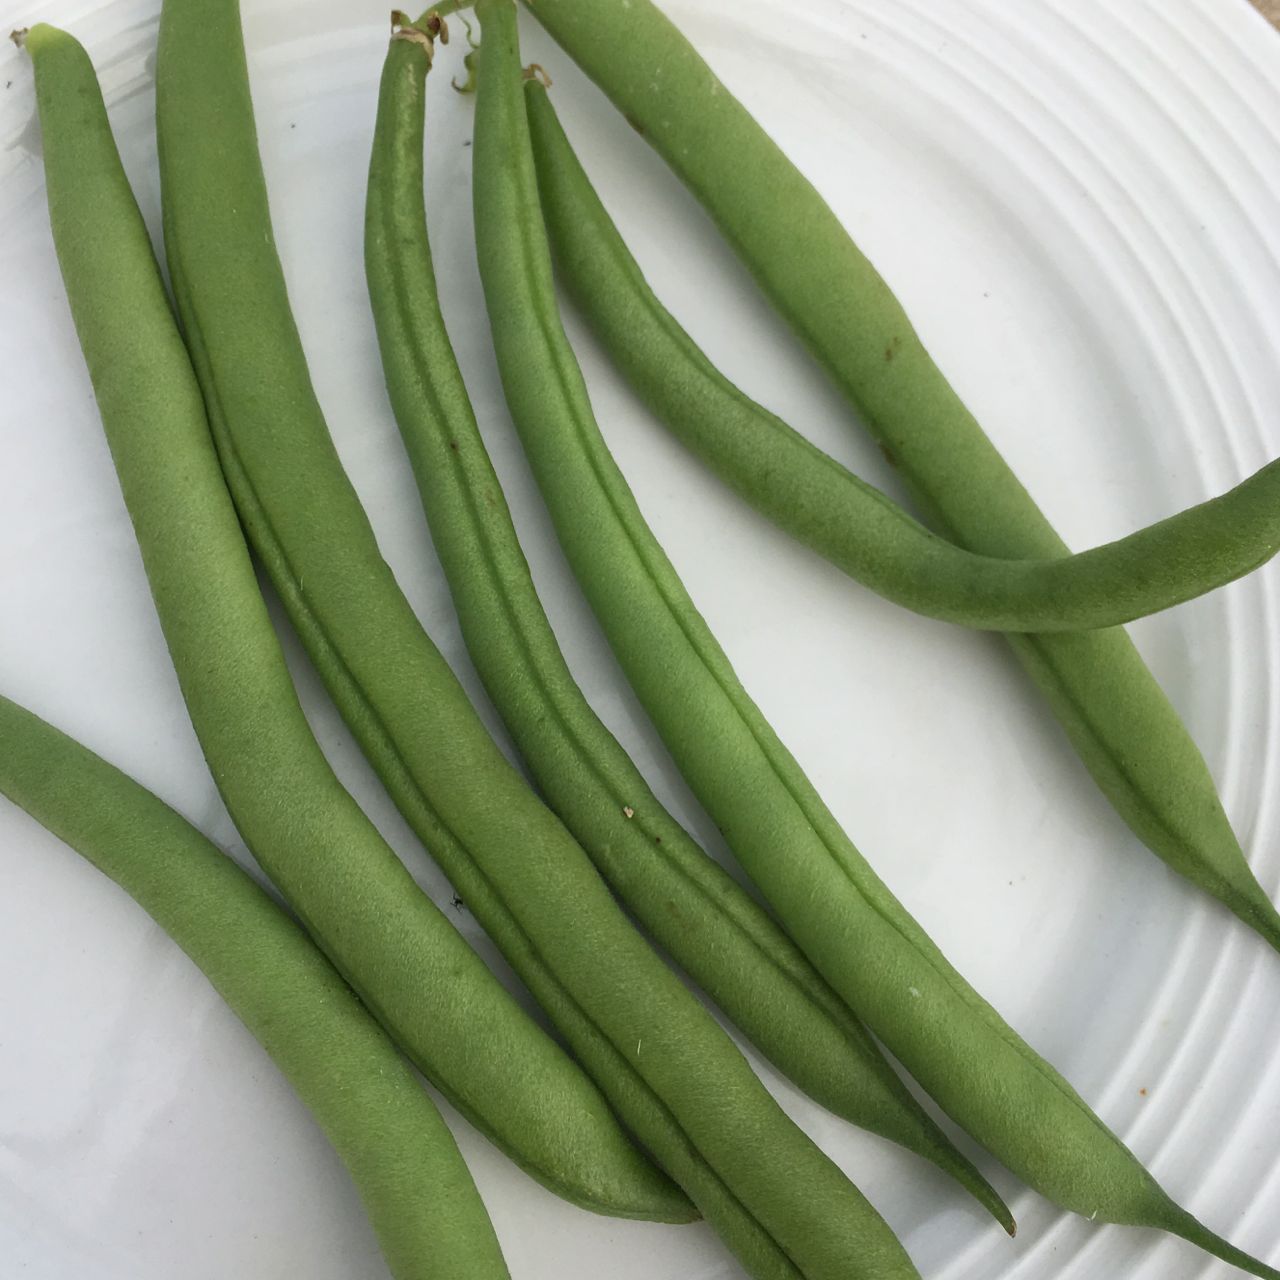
(424, 32)
(469, 84)
(433, 23)
(19, 36)
(535, 72)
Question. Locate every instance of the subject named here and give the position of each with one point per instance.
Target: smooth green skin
(663, 1062)
(686, 901)
(418, 1193)
(822, 504)
(848, 923)
(407, 962)
(1118, 718)
(396, 691)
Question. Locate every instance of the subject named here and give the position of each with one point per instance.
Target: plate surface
(1079, 203)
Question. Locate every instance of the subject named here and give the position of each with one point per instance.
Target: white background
(1079, 203)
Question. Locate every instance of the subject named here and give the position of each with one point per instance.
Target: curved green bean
(424, 1207)
(383, 934)
(822, 504)
(663, 1062)
(848, 923)
(404, 705)
(685, 900)
(1119, 720)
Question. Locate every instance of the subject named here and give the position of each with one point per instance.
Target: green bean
(822, 504)
(848, 923)
(383, 934)
(404, 705)
(1119, 720)
(685, 900)
(424, 1207)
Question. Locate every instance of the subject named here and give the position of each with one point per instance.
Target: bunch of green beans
(853, 929)
(670, 1072)
(424, 1207)
(383, 934)
(1122, 725)
(694, 909)
(822, 504)
(660, 1063)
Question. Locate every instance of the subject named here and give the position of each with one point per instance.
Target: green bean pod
(384, 935)
(685, 900)
(401, 700)
(1119, 720)
(822, 504)
(848, 923)
(418, 1193)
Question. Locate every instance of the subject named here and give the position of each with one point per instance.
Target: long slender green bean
(822, 504)
(1120, 722)
(684, 899)
(383, 934)
(314, 538)
(404, 705)
(853, 929)
(663, 1062)
(424, 1207)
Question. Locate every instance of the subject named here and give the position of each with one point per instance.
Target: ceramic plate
(1079, 203)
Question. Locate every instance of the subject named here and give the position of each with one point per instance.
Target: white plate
(1079, 203)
